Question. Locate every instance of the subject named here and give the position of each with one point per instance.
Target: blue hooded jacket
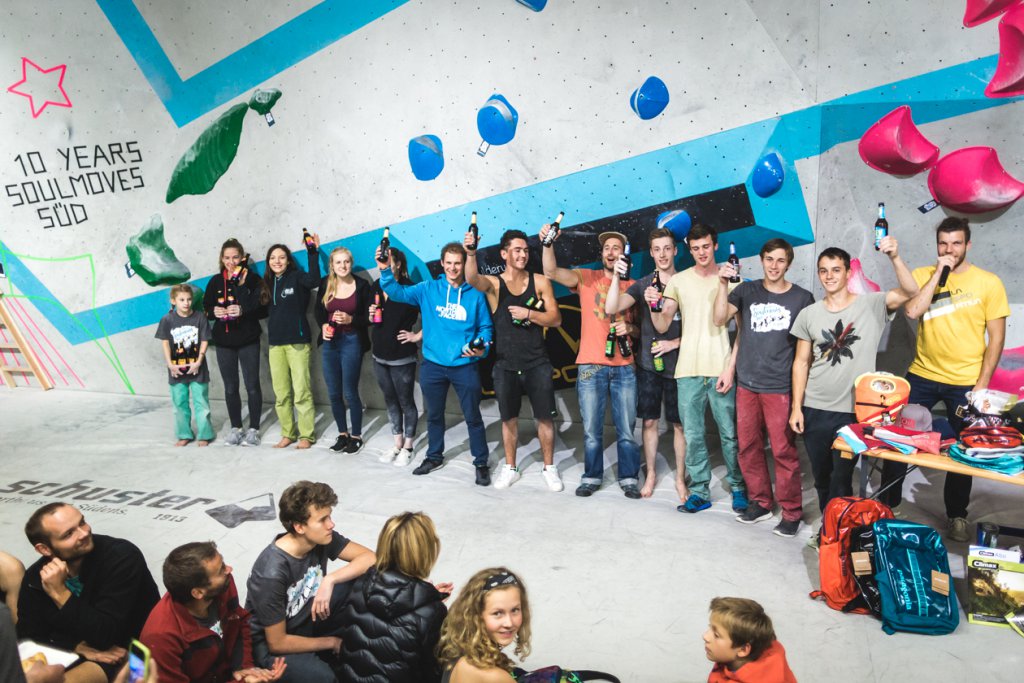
(452, 316)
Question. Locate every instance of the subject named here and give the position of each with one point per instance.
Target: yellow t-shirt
(703, 346)
(951, 333)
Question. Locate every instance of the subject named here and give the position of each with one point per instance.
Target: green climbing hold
(262, 101)
(152, 259)
(209, 157)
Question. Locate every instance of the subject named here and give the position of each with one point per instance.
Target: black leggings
(228, 360)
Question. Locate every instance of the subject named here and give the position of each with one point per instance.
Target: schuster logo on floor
(228, 514)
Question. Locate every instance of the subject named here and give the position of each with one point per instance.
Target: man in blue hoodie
(457, 333)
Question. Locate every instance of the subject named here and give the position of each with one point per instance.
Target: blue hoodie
(452, 316)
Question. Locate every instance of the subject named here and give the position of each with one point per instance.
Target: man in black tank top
(522, 305)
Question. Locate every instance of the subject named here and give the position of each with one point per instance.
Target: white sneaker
(552, 479)
(507, 475)
(403, 458)
(251, 438)
(234, 438)
(389, 454)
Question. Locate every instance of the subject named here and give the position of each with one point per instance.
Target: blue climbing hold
(650, 99)
(768, 175)
(677, 221)
(426, 157)
(535, 5)
(497, 120)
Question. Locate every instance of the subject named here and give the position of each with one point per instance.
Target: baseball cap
(604, 236)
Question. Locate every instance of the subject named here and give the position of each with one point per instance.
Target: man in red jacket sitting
(198, 631)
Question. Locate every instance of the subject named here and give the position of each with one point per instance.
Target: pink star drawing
(46, 96)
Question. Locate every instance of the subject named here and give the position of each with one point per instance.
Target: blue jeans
(342, 360)
(593, 384)
(694, 394)
(434, 382)
(957, 490)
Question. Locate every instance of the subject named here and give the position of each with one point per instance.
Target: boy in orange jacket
(741, 642)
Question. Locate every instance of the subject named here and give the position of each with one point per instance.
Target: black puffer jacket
(392, 623)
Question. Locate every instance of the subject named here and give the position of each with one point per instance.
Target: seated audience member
(87, 593)
(490, 614)
(11, 670)
(198, 633)
(392, 621)
(295, 603)
(12, 571)
(741, 642)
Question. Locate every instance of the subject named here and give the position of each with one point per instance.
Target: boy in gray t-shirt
(837, 341)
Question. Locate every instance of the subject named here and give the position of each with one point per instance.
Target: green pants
(183, 413)
(289, 373)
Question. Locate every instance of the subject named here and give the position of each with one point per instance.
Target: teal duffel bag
(912, 571)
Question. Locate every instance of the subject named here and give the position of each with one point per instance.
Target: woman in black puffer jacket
(392, 620)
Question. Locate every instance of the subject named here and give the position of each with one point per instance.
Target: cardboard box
(996, 587)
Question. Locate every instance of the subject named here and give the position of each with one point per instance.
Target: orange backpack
(835, 568)
(879, 397)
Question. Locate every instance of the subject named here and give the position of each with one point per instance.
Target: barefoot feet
(285, 442)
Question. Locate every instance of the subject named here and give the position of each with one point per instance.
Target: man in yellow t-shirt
(956, 312)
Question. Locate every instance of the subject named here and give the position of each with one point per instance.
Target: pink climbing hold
(894, 145)
(1008, 80)
(980, 11)
(971, 180)
(1009, 373)
(858, 282)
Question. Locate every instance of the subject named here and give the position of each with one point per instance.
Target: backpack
(879, 397)
(862, 540)
(908, 558)
(835, 569)
(556, 674)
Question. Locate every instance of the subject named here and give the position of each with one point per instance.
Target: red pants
(756, 413)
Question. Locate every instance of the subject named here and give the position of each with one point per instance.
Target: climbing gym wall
(139, 135)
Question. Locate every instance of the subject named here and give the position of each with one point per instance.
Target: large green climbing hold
(152, 259)
(209, 157)
(262, 101)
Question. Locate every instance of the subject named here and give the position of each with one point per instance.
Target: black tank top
(518, 348)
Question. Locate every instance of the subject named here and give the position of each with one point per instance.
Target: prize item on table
(879, 397)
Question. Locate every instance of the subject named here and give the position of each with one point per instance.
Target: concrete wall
(746, 78)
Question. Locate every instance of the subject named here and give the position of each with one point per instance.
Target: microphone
(943, 277)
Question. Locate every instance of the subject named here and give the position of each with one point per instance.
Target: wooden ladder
(21, 346)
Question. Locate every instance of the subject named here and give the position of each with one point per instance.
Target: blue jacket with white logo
(452, 316)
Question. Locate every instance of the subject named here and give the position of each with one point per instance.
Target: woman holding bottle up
(234, 301)
(290, 336)
(342, 313)
(394, 360)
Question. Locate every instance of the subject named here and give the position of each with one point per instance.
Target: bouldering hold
(894, 145)
(858, 283)
(979, 11)
(677, 221)
(262, 101)
(497, 120)
(1008, 80)
(971, 180)
(426, 157)
(768, 175)
(209, 157)
(535, 5)
(152, 259)
(650, 99)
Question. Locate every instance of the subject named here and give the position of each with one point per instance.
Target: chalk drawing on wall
(44, 86)
(972, 180)
(152, 259)
(894, 145)
(58, 314)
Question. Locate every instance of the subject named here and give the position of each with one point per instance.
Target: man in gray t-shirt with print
(837, 341)
(294, 601)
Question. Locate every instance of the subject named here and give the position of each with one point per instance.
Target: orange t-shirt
(594, 324)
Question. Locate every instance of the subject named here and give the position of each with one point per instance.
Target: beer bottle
(476, 232)
(474, 345)
(609, 343)
(881, 226)
(385, 245)
(378, 314)
(625, 345)
(307, 239)
(656, 306)
(735, 261)
(549, 238)
(659, 362)
(530, 303)
(629, 261)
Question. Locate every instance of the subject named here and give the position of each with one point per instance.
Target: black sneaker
(585, 490)
(341, 443)
(483, 475)
(753, 514)
(427, 466)
(354, 444)
(631, 491)
(787, 529)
